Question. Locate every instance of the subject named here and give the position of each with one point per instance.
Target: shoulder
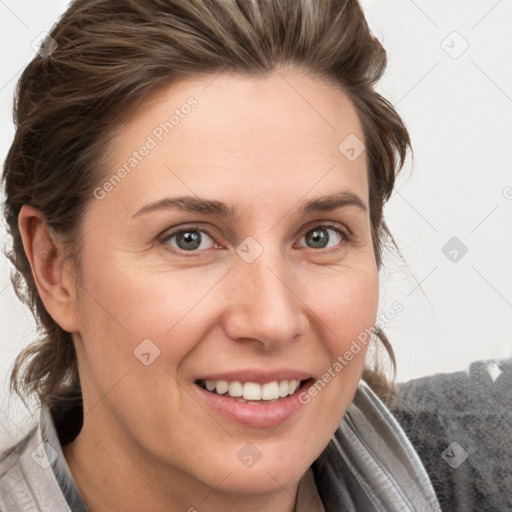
(27, 479)
(12, 478)
(460, 424)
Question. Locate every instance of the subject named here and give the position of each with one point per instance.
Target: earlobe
(54, 282)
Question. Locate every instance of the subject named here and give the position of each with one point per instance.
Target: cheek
(126, 303)
(347, 307)
(346, 312)
(128, 294)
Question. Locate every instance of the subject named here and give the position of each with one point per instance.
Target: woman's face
(234, 249)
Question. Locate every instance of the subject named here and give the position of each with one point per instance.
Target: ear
(52, 274)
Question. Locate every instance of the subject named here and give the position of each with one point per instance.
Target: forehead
(228, 133)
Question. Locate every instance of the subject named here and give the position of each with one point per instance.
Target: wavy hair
(107, 56)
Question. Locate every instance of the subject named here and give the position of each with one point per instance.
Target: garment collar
(370, 464)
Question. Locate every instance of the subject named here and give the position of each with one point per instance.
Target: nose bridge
(264, 305)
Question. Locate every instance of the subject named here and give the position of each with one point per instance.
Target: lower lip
(255, 415)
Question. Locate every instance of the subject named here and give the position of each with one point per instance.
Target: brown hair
(109, 56)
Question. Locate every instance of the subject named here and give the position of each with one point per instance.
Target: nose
(264, 304)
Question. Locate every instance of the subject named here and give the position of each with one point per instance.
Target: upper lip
(257, 376)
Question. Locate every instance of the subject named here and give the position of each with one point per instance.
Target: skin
(257, 145)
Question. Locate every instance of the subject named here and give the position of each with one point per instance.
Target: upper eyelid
(345, 231)
(176, 231)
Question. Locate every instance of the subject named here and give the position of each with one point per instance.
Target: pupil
(191, 240)
(318, 238)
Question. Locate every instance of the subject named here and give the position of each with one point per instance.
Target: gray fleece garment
(461, 427)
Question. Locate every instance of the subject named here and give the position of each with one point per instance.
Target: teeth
(293, 385)
(253, 391)
(270, 391)
(221, 387)
(283, 388)
(235, 389)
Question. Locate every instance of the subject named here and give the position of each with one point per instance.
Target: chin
(263, 478)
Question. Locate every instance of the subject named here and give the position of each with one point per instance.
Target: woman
(195, 195)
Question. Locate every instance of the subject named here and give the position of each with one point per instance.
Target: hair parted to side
(110, 56)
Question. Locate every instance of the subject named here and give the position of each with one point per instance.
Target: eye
(190, 239)
(325, 237)
(194, 239)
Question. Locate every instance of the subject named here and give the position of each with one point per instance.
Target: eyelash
(344, 233)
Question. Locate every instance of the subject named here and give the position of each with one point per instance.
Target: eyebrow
(210, 207)
(334, 201)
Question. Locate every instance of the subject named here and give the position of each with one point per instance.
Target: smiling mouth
(253, 392)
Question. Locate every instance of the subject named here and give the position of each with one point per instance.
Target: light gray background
(458, 107)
